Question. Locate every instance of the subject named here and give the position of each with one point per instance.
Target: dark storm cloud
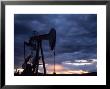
(76, 34)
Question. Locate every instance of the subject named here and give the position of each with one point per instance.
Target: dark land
(41, 74)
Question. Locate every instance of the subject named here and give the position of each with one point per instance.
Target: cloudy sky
(76, 38)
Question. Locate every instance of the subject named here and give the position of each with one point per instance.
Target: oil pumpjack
(35, 42)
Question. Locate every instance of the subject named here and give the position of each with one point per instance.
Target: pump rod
(54, 62)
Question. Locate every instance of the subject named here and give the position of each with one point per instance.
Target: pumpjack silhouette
(35, 43)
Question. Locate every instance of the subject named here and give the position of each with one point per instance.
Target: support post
(42, 58)
(36, 66)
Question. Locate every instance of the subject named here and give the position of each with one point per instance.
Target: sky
(76, 39)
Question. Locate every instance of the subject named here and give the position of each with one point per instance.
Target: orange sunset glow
(59, 69)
